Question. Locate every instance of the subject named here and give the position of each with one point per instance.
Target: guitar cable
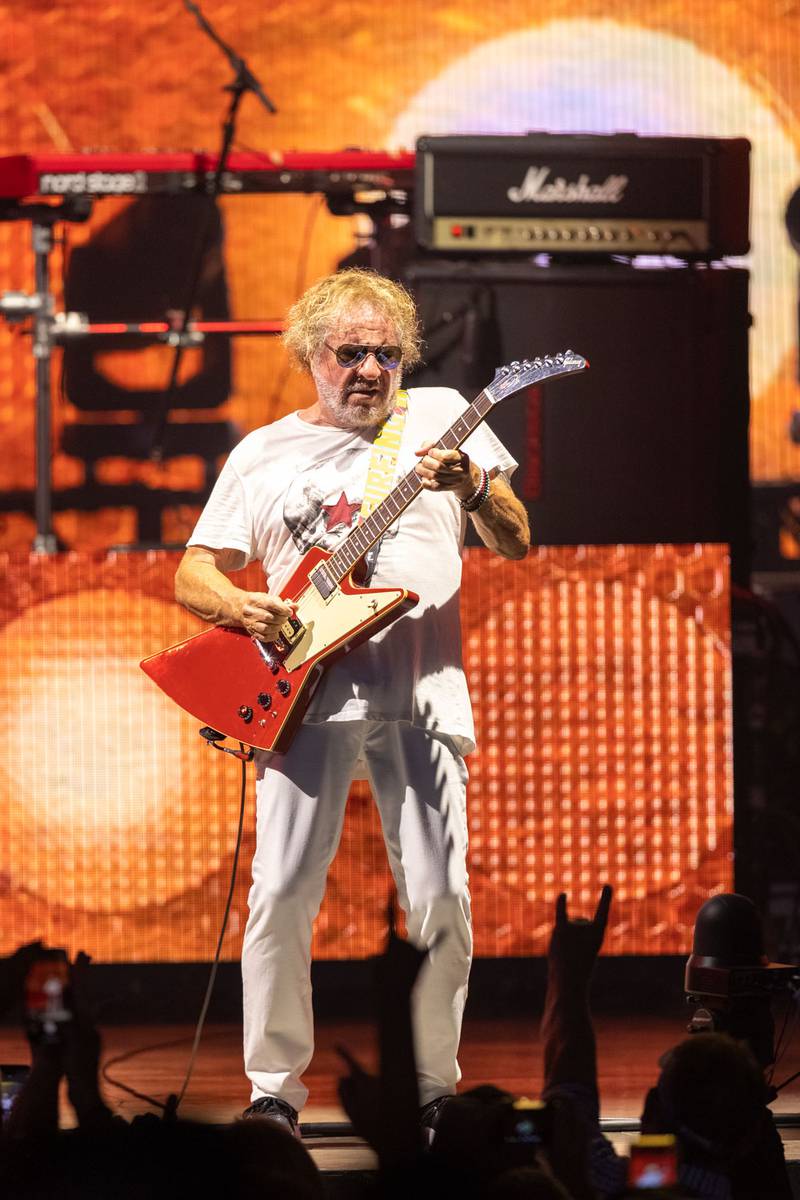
(169, 1107)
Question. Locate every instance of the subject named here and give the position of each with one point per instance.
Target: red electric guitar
(258, 693)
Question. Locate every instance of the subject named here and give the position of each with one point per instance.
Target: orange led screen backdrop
(601, 683)
(131, 77)
(600, 675)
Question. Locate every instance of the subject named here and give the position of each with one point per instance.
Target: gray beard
(355, 416)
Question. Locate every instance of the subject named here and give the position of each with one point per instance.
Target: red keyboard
(25, 175)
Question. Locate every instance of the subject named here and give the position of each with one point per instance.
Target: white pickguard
(328, 622)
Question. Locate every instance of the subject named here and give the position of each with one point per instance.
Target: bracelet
(479, 496)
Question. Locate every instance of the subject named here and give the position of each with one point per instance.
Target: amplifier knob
(625, 235)
(594, 233)
(552, 235)
(609, 235)
(538, 233)
(582, 235)
(566, 235)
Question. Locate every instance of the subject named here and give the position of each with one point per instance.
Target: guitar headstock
(518, 375)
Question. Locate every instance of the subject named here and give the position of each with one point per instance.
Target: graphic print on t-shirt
(323, 502)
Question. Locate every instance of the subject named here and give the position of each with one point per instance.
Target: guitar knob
(264, 699)
(284, 687)
(246, 713)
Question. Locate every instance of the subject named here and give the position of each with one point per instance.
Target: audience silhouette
(710, 1100)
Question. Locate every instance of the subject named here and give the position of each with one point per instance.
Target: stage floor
(504, 1052)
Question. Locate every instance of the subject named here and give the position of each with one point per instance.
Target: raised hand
(399, 965)
(575, 943)
(396, 972)
(361, 1096)
(13, 970)
(81, 1051)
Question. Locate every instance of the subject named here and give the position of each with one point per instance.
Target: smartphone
(653, 1162)
(12, 1079)
(47, 998)
(526, 1130)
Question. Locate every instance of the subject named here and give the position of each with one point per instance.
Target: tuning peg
(526, 364)
(515, 366)
(503, 371)
(559, 358)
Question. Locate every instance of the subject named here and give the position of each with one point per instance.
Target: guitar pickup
(322, 581)
(291, 631)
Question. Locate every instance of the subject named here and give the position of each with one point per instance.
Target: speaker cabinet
(649, 445)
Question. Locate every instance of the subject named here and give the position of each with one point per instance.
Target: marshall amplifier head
(586, 194)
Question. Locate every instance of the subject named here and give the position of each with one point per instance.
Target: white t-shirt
(292, 485)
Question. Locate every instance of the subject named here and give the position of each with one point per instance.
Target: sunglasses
(387, 357)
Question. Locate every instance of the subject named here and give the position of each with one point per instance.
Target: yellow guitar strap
(383, 460)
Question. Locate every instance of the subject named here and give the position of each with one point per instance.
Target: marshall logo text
(536, 189)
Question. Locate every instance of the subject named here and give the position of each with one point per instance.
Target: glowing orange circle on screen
(94, 808)
(601, 693)
(583, 73)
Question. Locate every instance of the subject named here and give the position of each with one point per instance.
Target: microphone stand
(244, 81)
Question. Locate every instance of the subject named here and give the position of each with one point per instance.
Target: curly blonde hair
(310, 318)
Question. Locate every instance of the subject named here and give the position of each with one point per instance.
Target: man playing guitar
(395, 709)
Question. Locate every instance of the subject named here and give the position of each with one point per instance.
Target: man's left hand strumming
(500, 518)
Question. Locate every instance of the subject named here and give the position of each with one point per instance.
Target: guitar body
(257, 694)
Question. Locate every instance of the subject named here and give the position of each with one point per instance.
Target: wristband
(479, 496)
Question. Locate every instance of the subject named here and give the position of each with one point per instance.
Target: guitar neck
(365, 535)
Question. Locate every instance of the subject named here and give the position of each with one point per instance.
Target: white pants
(419, 784)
